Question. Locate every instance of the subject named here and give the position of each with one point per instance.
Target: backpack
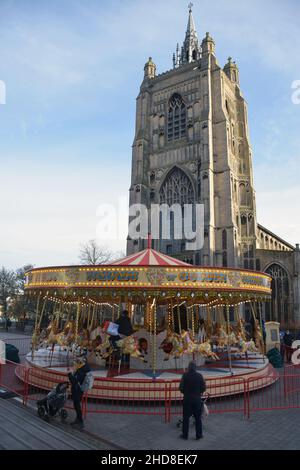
(88, 382)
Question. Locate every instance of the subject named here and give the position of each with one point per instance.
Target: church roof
(149, 257)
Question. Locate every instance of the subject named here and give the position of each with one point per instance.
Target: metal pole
(228, 343)
(154, 338)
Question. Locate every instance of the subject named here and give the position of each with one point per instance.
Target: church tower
(192, 146)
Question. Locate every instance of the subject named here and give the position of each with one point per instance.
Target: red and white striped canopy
(149, 257)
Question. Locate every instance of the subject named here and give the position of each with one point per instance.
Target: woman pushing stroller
(81, 380)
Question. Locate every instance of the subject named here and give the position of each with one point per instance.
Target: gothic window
(248, 255)
(244, 226)
(278, 309)
(177, 189)
(224, 248)
(176, 118)
(243, 195)
(199, 180)
(224, 240)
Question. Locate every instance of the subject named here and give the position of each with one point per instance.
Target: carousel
(178, 312)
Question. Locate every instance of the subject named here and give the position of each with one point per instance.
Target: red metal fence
(274, 391)
(23, 344)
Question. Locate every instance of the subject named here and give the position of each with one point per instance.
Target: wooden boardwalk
(20, 429)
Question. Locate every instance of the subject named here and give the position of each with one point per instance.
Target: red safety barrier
(13, 378)
(225, 395)
(22, 344)
(41, 381)
(270, 391)
(121, 396)
(280, 391)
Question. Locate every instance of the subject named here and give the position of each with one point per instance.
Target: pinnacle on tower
(150, 69)
(191, 50)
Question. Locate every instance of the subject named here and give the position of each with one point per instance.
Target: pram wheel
(41, 412)
(63, 414)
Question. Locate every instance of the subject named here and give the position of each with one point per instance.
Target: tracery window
(177, 189)
(176, 118)
(278, 309)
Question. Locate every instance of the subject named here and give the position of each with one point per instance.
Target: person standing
(125, 326)
(288, 340)
(192, 386)
(81, 369)
(125, 330)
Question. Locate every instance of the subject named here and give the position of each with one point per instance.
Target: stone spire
(191, 50)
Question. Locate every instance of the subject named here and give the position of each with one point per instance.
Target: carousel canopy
(149, 257)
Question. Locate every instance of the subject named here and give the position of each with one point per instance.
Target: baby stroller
(204, 399)
(53, 404)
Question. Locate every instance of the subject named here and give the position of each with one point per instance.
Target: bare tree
(8, 287)
(92, 254)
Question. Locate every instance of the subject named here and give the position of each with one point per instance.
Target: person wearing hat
(192, 386)
(81, 368)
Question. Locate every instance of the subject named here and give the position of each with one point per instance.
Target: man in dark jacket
(125, 326)
(81, 368)
(125, 329)
(192, 386)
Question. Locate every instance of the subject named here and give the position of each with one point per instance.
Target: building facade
(192, 146)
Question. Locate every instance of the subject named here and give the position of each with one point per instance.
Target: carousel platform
(247, 374)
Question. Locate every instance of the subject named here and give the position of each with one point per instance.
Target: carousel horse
(183, 344)
(204, 349)
(130, 346)
(38, 339)
(172, 345)
(258, 337)
(240, 329)
(67, 337)
(246, 346)
(83, 339)
(222, 337)
(105, 349)
(232, 339)
(51, 335)
(187, 342)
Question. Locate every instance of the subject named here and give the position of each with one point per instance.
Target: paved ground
(264, 431)
(21, 429)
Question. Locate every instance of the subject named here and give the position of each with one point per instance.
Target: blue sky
(72, 70)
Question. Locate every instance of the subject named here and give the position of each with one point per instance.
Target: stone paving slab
(268, 430)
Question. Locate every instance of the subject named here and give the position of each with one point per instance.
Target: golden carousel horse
(130, 346)
(172, 345)
(183, 344)
(66, 338)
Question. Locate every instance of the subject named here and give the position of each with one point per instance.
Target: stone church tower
(192, 146)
